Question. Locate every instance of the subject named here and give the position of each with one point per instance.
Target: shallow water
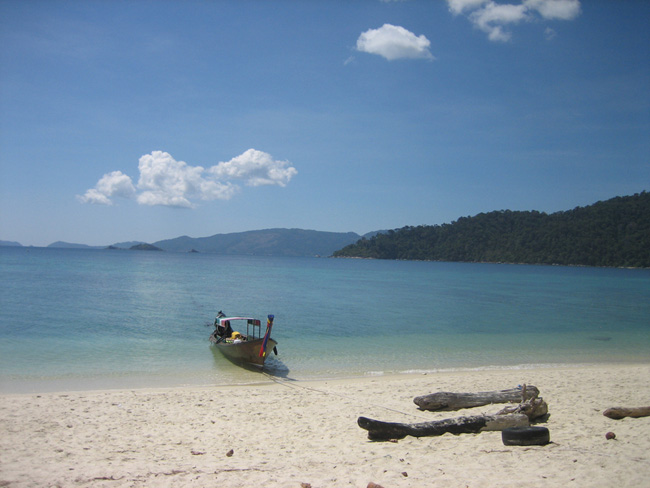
(85, 319)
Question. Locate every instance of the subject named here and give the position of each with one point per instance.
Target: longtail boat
(243, 349)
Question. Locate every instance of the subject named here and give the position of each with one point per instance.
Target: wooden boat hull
(247, 352)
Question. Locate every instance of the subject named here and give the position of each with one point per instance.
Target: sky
(147, 120)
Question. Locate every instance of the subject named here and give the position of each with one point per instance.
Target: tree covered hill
(615, 232)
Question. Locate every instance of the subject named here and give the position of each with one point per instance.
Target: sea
(86, 319)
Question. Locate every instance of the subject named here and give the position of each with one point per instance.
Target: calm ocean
(90, 319)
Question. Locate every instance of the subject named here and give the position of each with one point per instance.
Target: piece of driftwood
(533, 408)
(444, 400)
(382, 431)
(622, 412)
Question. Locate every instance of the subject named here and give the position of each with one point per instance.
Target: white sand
(291, 433)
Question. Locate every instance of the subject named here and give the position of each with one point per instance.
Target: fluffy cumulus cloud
(255, 168)
(166, 181)
(493, 18)
(394, 42)
(115, 184)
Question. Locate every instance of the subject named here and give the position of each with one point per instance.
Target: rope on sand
(296, 385)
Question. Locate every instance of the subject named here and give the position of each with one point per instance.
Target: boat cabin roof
(249, 320)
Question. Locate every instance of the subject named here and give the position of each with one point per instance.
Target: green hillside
(615, 232)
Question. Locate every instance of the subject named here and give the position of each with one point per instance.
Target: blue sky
(147, 120)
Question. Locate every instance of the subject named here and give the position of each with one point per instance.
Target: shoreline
(513, 263)
(284, 433)
(18, 385)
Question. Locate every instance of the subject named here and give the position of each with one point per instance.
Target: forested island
(613, 233)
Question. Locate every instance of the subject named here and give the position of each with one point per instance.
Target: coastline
(285, 433)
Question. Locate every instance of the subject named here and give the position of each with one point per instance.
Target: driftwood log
(455, 401)
(383, 431)
(622, 412)
(533, 407)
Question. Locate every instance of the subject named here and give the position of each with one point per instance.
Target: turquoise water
(84, 319)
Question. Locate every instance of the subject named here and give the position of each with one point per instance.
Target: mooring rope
(296, 385)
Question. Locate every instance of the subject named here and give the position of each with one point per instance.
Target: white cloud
(549, 33)
(555, 9)
(459, 6)
(394, 42)
(111, 184)
(166, 181)
(492, 17)
(93, 195)
(256, 168)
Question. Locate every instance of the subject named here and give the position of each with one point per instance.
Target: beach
(281, 433)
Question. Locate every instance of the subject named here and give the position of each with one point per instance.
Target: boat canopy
(251, 321)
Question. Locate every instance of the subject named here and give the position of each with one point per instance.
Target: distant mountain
(10, 244)
(615, 233)
(70, 245)
(126, 245)
(269, 242)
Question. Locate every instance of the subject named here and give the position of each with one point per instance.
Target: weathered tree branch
(455, 401)
(378, 430)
